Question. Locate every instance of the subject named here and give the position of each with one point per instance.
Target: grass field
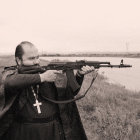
(108, 112)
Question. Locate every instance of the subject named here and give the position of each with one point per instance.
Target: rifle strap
(75, 99)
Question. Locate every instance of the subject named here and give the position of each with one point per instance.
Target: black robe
(71, 125)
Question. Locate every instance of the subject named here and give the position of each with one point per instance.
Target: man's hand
(49, 75)
(85, 70)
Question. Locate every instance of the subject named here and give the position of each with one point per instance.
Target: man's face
(30, 56)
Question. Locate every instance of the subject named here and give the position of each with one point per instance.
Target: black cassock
(55, 122)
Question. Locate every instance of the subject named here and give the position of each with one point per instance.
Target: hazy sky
(70, 25)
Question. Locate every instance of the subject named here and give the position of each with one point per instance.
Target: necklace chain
(35, 94)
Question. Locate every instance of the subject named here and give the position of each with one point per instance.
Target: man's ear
(18, 61)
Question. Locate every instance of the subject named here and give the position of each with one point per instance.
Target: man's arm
(79, 78)
(80, 75)
(21, 80)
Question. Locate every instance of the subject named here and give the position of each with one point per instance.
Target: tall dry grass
(109, 111)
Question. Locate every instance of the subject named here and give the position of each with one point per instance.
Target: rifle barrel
(115, 66)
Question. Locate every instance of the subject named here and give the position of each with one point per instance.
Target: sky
(67, 26)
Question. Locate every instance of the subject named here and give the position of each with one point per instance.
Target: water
(128, 77)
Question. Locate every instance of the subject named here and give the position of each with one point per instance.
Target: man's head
(26, 54)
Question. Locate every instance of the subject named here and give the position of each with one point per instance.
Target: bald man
(34, 117)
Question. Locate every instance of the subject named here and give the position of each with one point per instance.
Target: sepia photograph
(70, 70)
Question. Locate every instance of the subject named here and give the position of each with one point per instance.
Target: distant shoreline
(128, 55)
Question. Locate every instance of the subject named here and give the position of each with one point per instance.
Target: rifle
(60, 65)
(68, 67)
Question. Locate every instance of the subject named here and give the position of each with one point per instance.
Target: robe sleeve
(79, 80)
(18, 81)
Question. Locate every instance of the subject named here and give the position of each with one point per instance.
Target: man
(35, 118)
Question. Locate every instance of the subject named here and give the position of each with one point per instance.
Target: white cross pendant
(37, 104)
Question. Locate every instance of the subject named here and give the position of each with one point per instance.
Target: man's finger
(96, 70)
(93, 67)
(88, 68)
(57, 72)
(83, 69)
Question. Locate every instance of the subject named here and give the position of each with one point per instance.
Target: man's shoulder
(8, 71)
(10, 68)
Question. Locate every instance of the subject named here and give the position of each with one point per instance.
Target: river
(128, 77)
